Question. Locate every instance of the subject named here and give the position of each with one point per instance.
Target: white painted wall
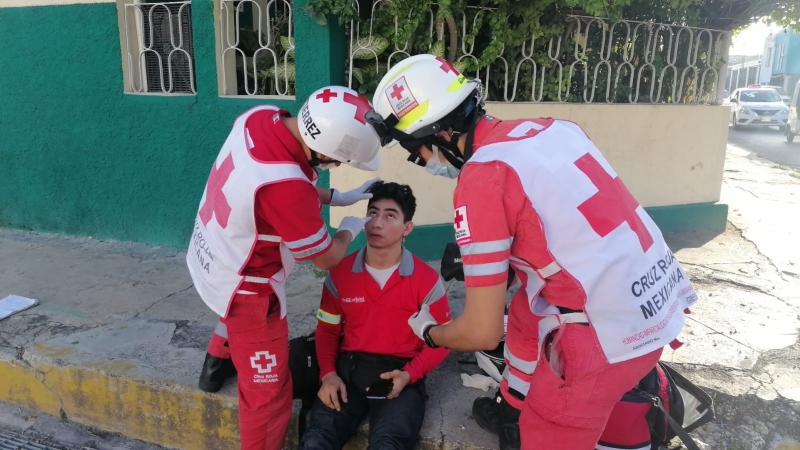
(665, 154)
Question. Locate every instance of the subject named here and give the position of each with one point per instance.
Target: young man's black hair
(400, 193)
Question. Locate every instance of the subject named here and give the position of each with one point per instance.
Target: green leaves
(284, 71)
(370, 47)
(503, 27)
(437, 49)
(287, 43)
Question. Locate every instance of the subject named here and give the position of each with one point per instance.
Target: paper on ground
(14, 304)
(478, 381)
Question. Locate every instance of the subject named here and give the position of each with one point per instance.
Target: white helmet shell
(420, 91)
(332, 123)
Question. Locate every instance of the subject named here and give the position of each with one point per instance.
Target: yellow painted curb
(162, 413)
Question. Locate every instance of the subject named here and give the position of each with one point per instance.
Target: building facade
(786, 68)
(114, 110)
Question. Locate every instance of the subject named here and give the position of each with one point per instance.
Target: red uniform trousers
(259, 345)
(521, 350)
(218, 345)
(566, 413)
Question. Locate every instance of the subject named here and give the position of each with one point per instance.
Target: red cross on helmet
(332, 123)
(420, 91)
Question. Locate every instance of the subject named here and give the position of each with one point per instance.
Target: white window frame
(132, 43)
(781, 57)
(229, 56)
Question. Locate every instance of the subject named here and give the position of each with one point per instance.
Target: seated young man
(377, 369)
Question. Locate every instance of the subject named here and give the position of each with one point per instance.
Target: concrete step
(129, 378)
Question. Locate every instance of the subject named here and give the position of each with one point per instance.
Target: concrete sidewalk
(119, 337)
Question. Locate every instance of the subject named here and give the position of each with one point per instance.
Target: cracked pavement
(132, 310)
(741, 342)
(112, 302)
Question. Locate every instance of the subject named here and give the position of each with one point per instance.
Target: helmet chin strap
(450, 148)
(468, 145)
(316, 162)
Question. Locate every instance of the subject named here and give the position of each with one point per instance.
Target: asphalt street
(767, 143)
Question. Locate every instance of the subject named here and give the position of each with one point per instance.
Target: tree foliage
(499, 32)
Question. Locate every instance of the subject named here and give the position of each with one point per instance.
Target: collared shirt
(375, 320)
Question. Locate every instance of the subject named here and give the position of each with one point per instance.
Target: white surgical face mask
(437, 168)
(327, 166)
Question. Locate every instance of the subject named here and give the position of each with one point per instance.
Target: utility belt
(362, 370)
(563, 310)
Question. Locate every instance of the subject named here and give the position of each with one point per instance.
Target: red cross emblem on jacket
(216, 204)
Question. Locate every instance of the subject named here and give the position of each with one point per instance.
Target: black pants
(393, 424)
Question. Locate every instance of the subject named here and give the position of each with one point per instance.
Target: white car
(782, 92)
(762, 107)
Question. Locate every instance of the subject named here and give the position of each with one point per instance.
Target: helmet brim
(371, 165)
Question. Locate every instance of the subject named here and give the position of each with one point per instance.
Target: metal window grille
(257, 45)
(595, 60)
(160, 50)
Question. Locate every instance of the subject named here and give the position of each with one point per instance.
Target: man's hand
(400, 379)
(332, 386)
(352, 197)
(421, 320)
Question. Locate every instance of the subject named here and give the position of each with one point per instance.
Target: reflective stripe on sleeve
(293, 245)
(315, 249)
(477, 270)
(328, 318)
(483, 248)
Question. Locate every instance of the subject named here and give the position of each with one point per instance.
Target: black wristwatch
(426, 336)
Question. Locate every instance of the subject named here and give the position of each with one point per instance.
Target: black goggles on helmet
(387, 132)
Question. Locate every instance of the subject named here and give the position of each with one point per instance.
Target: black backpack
(664, 404)
(305, 374)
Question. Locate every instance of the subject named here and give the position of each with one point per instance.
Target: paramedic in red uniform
(218, 366)
(601, 292)
(368, 297)
(259, 214)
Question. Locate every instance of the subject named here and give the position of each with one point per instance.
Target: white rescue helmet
(332, 123)
(421, 90)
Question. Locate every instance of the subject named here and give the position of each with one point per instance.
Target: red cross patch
(400, 97)
(216, 204)
(461, 224)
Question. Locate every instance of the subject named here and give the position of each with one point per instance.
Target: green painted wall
(428, 241)
(77, 156)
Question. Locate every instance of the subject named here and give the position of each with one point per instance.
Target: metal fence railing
(160, 55)
(257, 47)
(595, 60)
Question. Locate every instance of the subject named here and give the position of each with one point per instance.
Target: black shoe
(508, 433)
(486, 412)
(496, 416)
(215, 372)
